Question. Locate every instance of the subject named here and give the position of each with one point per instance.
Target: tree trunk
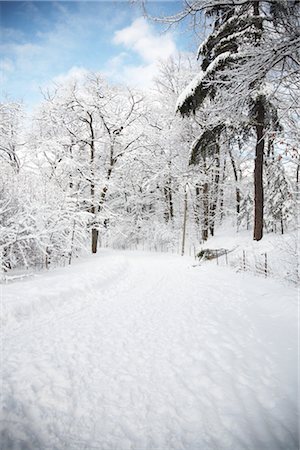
(214, 201)
(258, 171)
(5, 260)
(47, 258)
(169, 212)
(105, 188)
(169, 202)
(94, 230)
(237, 190)
(72, 242)
(205, 212)
(95, 233)
(184, 221)
(197, 204)
(92, 184)
(281, 223)
(222, 192)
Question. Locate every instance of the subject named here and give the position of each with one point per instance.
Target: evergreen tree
(231, 77)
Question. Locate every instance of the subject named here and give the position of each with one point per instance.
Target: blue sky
(43, 41)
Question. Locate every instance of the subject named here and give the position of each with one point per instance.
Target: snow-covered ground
(276, 254)
(136, 351)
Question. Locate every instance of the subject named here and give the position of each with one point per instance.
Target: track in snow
(145, 352)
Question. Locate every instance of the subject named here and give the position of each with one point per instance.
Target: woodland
(121, 327)
(214, 141)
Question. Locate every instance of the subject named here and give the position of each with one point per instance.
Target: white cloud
(141, 39)
(74, 74)
(24, 57)
(115, 62)
(6, 65)
(140, 76)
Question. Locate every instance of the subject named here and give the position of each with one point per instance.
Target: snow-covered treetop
(243, 48)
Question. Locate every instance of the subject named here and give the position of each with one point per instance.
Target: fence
(265, 264)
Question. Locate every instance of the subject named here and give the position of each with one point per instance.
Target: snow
(133, 350)
(198, 79)
(231, 37)
(220, 30)
(203, 44)
(282, 252)
(189, 90)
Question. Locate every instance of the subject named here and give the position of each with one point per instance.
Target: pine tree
(232, 77)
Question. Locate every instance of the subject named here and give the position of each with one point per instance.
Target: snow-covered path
(143, 351)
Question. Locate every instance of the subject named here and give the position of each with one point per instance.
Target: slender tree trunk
(205, 212)
(197, 204)
(214, 200)
(2, 267)
(92, 185)
(5, 259)
(169, 214)
(258, 171)
(103, 194)
(169, 202)
(184, 221)
(222, 192)
(237, 190)
(47, 258)
(270, 151)
(281, 224)
(94, 230)
(72, 242)
(95, 234)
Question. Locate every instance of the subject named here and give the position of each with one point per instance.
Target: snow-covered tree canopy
(245, 47)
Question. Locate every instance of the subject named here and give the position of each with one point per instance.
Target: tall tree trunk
(281, 223)
(92, 185)
(205, 223)
(72, 242)
(169, 202)
(197, 204)
(170, 195)
(94, 230)
(184, 221)
(237, 189)
(258, 171)
(95, 234)
(169, 212)
(222, 191)
(214, 200)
